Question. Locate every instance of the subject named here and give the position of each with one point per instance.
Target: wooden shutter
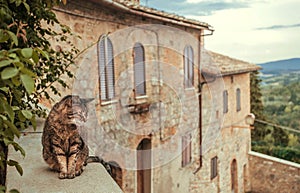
(188, 67)
(238, 99)
(186, 149)
(191, 67)
(110, 71)
(214, 167)
(106, 69)
(225, 101)
(139, 70)
(102, 72)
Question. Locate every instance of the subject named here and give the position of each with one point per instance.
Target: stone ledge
(282, 161)
(38, 177)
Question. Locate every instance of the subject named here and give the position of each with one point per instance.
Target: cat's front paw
(71, 176)
(62, 175)
(78, 172)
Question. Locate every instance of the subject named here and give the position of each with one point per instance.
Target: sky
(256, 31)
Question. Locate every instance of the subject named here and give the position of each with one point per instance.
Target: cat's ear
(86, 100)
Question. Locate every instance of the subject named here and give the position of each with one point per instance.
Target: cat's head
(74, 110)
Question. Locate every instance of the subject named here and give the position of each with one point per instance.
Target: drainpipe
(201, 84)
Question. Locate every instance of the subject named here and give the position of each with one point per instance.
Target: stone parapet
(269, 174)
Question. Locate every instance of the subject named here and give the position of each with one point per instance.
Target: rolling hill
(281, 66)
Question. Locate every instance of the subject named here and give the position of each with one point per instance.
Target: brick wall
(269, 174)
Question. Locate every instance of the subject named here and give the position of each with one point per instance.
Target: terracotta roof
(179, 19)
(218, 64)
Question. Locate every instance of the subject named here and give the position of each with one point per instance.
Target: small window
(186, 149)
(106, 68)
(238, 99)
(188, 67)
(214, 167)
(139, 69)
(225, 101)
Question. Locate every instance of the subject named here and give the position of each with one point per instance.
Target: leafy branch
(29, 65)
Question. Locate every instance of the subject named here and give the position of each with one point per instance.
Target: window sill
(189, 89)
(141, 99)
(105, 103)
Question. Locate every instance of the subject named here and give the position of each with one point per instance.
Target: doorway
(234, 179)
(144, 166)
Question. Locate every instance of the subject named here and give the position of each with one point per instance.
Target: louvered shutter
(186, 149)
(188, 67)
(106, 69)
(191, 69)
(225, 101)
(110, 71)
(139, 70)
(102, 71)
(238, 99)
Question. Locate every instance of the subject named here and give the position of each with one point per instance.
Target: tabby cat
(63, 148)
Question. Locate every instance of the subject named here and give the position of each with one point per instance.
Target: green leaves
(27, 114)
(28, 83)
(13, 37)
(4, 63)
(16, 164)
(27, 52)
(9, 72)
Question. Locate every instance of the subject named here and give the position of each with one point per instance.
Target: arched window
(238, 99)
(139, 69)
(188, 67)
(106, 68)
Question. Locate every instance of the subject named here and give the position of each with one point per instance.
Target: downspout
(200, 86)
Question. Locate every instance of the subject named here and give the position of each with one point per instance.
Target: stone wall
(225, 135)
(269, 174)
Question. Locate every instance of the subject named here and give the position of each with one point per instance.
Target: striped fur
(63, 148)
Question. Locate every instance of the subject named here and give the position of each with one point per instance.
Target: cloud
(276, 27)
(195, 7)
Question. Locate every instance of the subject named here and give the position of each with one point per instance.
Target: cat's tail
(97, 159)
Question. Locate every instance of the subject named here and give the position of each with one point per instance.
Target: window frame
(186, 147)
(188, 66)
(139, 65)
(106, 66)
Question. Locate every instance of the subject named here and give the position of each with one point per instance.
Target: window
(225, 101)
(139, 69)
(214, 167)
(106, 69)
(238, 99)
(186, 149)
(188, 67)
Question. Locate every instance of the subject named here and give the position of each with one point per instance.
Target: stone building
(168, 115)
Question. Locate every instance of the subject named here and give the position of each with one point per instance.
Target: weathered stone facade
(269, 174)
(118, 128)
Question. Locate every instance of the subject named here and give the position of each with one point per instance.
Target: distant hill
(281, 66)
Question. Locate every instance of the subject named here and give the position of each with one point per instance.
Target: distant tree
(29, 65)
(260, 130)
(281, 137)
(293, 97)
